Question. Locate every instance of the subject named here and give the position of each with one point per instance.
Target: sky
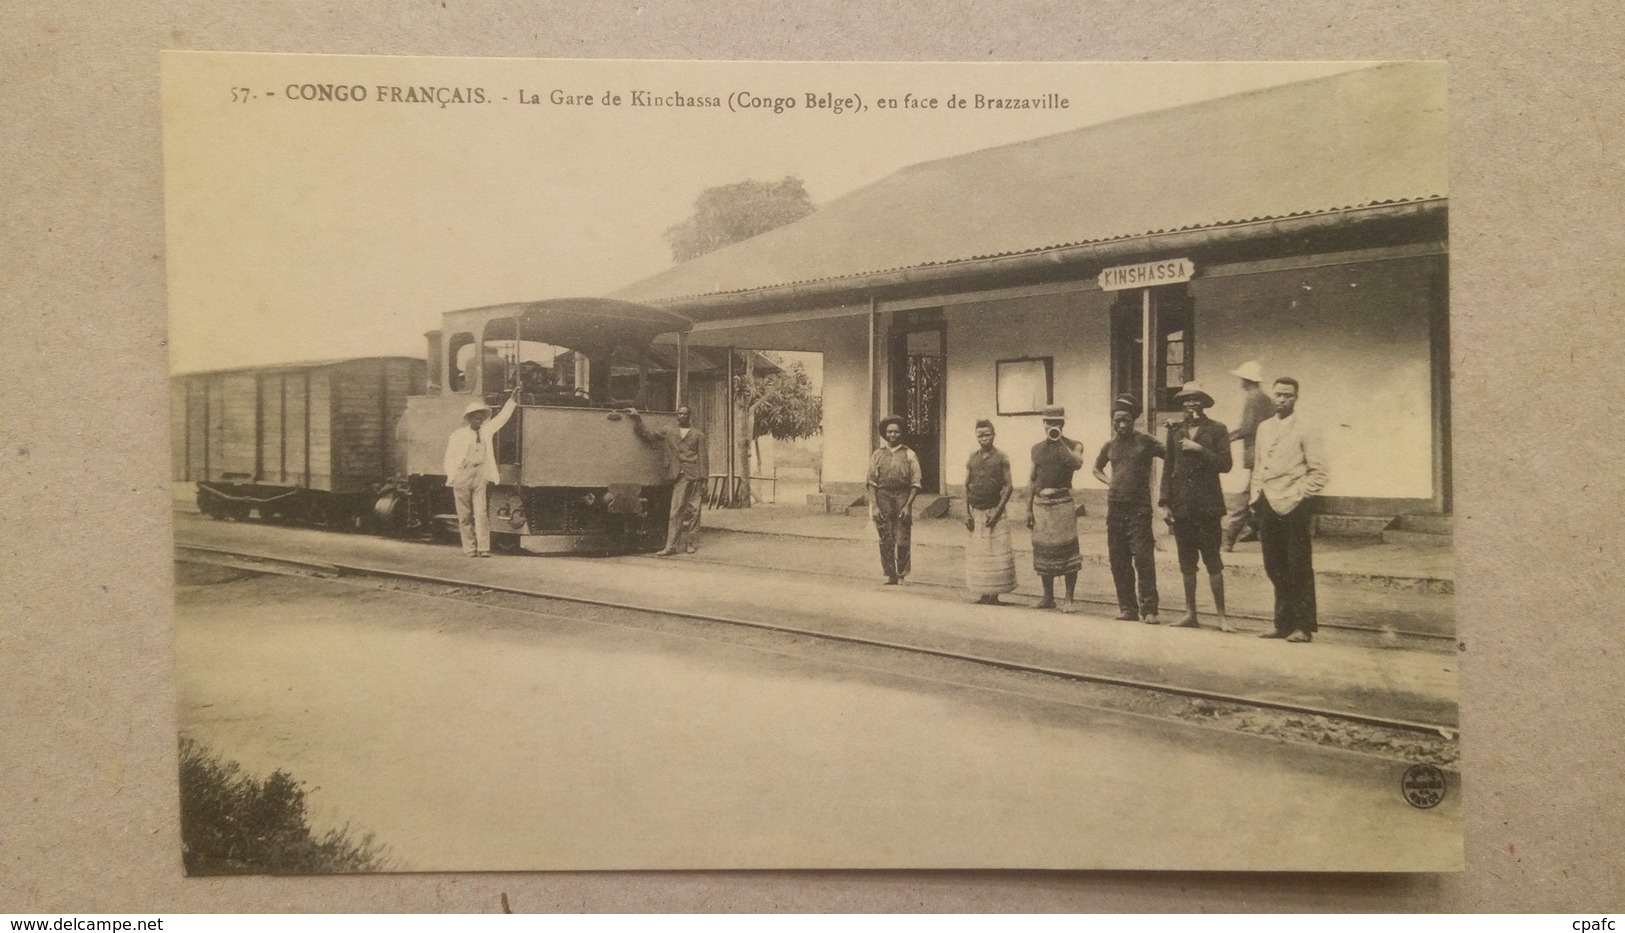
(318, 229)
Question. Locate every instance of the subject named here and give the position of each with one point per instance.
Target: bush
(232, 824)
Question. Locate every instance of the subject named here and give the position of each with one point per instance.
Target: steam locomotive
(358, 443)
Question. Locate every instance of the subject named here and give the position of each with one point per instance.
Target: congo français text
(386, 93)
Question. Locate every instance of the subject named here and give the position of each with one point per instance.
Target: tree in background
(730, 213)
(780, 404)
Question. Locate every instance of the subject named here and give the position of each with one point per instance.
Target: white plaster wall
(1357, 338)
(1072, 328)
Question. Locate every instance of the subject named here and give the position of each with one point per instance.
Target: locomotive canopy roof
(292, 366)
(586, 324)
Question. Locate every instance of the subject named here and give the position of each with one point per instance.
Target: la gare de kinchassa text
(831, 101)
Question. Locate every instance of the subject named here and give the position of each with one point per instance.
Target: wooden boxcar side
(327, 427)
(284, 421)
(367, 399)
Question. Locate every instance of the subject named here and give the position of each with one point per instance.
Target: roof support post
(874, 368)
(1150, 354)
(1148, 361)
(728, 399)
(681, 391)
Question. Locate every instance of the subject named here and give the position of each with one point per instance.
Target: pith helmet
(1248, 371)
(1194, 390)
(1054, 413)
(476, 407)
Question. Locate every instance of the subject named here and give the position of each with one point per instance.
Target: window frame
(1048, 363)
(453, 347)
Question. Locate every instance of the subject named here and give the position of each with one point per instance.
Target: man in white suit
(471, 464)
(1289, 466)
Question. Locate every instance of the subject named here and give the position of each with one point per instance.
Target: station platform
(1360, 583)
(734, 575)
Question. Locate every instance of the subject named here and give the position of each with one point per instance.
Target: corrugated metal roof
(1359, 139)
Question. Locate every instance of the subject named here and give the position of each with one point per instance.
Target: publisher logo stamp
(1423, 786)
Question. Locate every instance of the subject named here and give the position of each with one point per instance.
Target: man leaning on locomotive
(688, 469)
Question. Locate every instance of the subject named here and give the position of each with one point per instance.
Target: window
(460, 351)
(540, 370)
(1176, 362)
(1024, 386)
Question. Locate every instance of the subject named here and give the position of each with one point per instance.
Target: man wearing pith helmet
(471, 464)
(1239, 524)
(894, 481)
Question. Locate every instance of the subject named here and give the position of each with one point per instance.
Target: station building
(1302, 226)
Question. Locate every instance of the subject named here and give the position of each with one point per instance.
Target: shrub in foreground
(233, 824)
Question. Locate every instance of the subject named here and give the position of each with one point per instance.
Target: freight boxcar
(312, 442)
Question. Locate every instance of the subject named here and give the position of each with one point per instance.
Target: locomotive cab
(574, 476)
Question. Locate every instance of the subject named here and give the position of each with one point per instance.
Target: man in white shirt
(471, 464)
(1289, 466)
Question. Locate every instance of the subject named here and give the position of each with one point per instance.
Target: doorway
(918, 356)
(1167, 314)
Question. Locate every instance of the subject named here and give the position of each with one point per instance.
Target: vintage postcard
(742, 465)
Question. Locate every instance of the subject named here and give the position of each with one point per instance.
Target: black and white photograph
(647, 465)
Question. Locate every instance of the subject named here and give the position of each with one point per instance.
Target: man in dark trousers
(894, 480)
(1289, 470)
(688, 466)
(1128, 511)
(1256, 408)
(1192, 500)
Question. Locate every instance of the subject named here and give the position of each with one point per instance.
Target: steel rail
(342, 569)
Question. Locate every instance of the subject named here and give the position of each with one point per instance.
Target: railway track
(1388, 737)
